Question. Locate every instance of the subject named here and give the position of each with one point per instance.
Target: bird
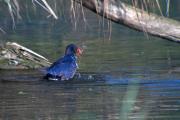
(65, 67)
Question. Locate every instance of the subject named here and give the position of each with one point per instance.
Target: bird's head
(73, 49)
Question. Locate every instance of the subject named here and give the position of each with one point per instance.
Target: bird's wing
(64, 67)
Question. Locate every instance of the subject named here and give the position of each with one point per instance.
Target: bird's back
(64, 68)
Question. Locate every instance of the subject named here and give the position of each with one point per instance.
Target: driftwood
(135, 18)
(15, 56)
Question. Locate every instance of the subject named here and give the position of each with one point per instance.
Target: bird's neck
(71, 55)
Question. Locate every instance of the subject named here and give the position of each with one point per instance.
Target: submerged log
(15, 56)
(135, 18)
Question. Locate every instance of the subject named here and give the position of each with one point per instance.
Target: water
(131, 76)
(25, 95)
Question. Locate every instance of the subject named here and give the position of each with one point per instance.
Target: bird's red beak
(79, 51)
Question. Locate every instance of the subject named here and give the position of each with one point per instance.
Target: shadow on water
(151, 81)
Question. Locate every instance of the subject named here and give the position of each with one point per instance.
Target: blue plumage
(65, 67)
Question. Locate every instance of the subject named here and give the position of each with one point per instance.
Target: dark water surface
(132, 76)
(25, 95)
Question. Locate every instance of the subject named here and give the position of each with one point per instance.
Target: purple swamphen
(65, 67)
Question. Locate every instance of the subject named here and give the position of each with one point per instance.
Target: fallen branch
(15, 56)
(135, 18)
